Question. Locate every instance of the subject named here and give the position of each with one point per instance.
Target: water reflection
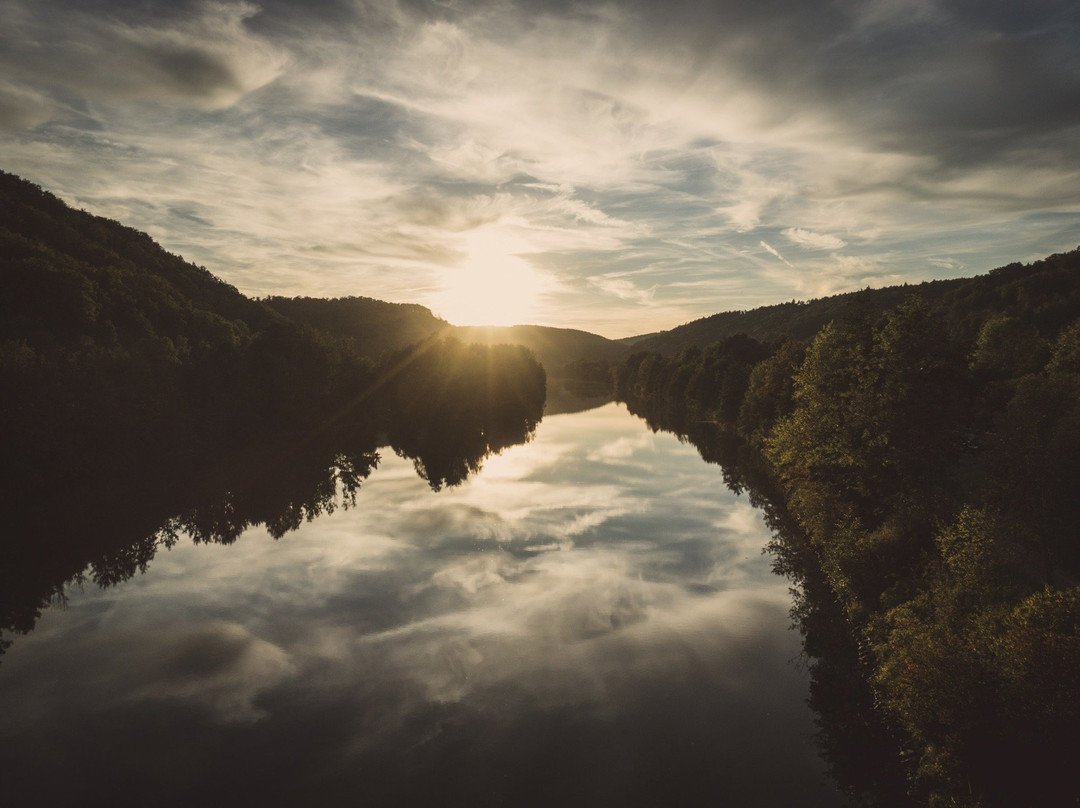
(587, 621)
(861, 753)
(112, 526)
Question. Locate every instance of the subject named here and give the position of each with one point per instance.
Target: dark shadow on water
(106, 526)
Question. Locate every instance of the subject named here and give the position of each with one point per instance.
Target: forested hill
(1045, 290)
(375, 326)
(924, 461)
(71, 278)
(562, 351)
(74, 283)
(116, 356)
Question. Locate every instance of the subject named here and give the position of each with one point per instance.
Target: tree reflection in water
(864, 758)
(455, 406)
(587, 622)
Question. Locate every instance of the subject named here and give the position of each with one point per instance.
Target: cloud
(876, 15)
(623, 288)
(840, 273)
(351, 148)
(776, 253)
(220, 664)
(946, 264)
(217, 667)
(23, 109)
(208, 59)
(814, 241)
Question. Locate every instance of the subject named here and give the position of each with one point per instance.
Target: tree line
(925, 461)
(128, 375)
(114, 352)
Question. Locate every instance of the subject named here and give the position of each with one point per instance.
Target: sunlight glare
(494, 285)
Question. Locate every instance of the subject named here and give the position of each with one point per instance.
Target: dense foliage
(926, 458)
(1041, 290)
(444, 405)
(374, 327)
(127, 372)
(113, 352)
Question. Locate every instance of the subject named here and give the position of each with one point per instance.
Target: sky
(621, 167)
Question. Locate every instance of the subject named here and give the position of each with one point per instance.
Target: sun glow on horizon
(494, 285)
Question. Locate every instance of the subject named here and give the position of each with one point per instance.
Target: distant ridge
(1005, 289)
(375, 326)
(71, 279)
(115, 353)
(555, 348)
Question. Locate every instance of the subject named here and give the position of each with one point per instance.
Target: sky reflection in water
(589, 620)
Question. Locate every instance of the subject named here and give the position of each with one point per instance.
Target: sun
(494, 285)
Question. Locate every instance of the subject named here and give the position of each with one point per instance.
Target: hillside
(554, 347)
(919, 467)
(115, 353)
(1011, 290)
(70, 279)
(375, 326)
(119, 357)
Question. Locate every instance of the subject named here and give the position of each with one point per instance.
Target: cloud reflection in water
(588, 620)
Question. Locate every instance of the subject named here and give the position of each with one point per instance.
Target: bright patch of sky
(619, 167)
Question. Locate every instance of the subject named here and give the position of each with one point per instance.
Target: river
(587, 620)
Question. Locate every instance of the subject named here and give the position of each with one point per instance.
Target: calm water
(589, 620)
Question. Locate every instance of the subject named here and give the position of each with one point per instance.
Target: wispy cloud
(623, 288)
(776, 254)
(814, 241)
(349, 148)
